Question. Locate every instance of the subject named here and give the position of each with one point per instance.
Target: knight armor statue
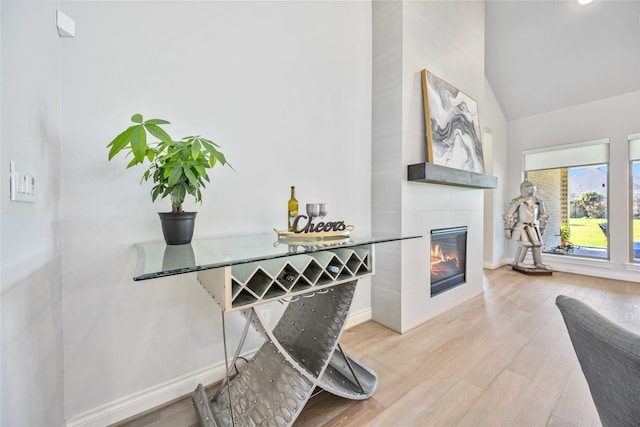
(525, 221)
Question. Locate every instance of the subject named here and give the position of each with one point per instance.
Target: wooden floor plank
(575, 406)
(497, 402)
(502, 358)
(536, 402)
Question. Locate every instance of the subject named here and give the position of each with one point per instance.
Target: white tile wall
(447, 38)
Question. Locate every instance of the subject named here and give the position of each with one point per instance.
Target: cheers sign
(310, 227)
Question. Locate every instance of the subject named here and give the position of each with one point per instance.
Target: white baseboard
(496, 264)
(357, 317)
(136, 403)
(144, 400)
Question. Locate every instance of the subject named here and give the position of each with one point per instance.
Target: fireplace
(448, 258)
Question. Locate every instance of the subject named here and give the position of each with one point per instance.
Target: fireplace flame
(443, 263)
(438, 255)
(448, 253)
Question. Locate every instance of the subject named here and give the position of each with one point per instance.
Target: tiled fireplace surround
(401, 297)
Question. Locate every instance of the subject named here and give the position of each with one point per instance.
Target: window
(572, 181)
(634, 156)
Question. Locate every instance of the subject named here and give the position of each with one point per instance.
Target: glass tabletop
(157, 259)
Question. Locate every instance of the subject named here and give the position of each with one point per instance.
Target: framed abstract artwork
(452, 125)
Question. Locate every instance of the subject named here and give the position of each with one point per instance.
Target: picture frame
(452, 125)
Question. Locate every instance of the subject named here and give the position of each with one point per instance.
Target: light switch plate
(22, 182)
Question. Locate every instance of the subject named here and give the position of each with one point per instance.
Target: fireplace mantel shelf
(436, 174)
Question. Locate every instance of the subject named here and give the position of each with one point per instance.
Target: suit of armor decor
(525, 221)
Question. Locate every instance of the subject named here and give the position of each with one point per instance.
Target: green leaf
(120, 141)
(220, 157)
(208, 145)
(155, 192)
(139, 143)
(167, 191)
(190, 176)
(133, 162)
(162, 145)
(195, 149)
(136, 118)
(212, 161)
(210, 142)
(172, 152)
(201, 170)
(174, 177)
(158, 132)
(202, 162)
(156, 122)
(184, 155)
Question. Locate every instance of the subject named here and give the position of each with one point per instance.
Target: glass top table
(157, 259)
(316, 277)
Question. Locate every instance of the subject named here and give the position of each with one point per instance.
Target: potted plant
(177, 168)
(565, 234)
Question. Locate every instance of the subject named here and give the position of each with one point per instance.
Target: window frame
(603, 150)
(633, 142)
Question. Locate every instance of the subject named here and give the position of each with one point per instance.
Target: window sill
(582, 261)
(632, 266)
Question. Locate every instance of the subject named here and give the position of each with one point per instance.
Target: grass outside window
(587, 232)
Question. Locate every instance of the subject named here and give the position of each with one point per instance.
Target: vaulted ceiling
(545, 55)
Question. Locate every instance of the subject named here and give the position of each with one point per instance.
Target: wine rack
(246, 285)
(302, 351)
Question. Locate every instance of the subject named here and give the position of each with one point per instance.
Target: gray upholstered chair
(610, 359)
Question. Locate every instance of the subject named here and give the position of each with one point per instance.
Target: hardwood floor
(501, 359)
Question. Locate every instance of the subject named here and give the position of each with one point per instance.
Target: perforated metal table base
(301, 353)
(317, 279)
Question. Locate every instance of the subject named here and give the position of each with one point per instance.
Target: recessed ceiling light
(583, 2)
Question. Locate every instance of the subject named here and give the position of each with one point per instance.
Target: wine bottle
(292, 209)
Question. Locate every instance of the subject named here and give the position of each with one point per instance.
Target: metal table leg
(300, 353)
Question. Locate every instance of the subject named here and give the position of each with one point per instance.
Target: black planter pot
(177, 227)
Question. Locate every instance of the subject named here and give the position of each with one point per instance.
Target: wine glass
(313, 210)
(322, 209)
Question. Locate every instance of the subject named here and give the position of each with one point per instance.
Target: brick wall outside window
(552, 189)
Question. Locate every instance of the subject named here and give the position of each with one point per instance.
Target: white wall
(0, 215)
(495, 161)
(614, 118)
(30, 238)
(283, 87)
